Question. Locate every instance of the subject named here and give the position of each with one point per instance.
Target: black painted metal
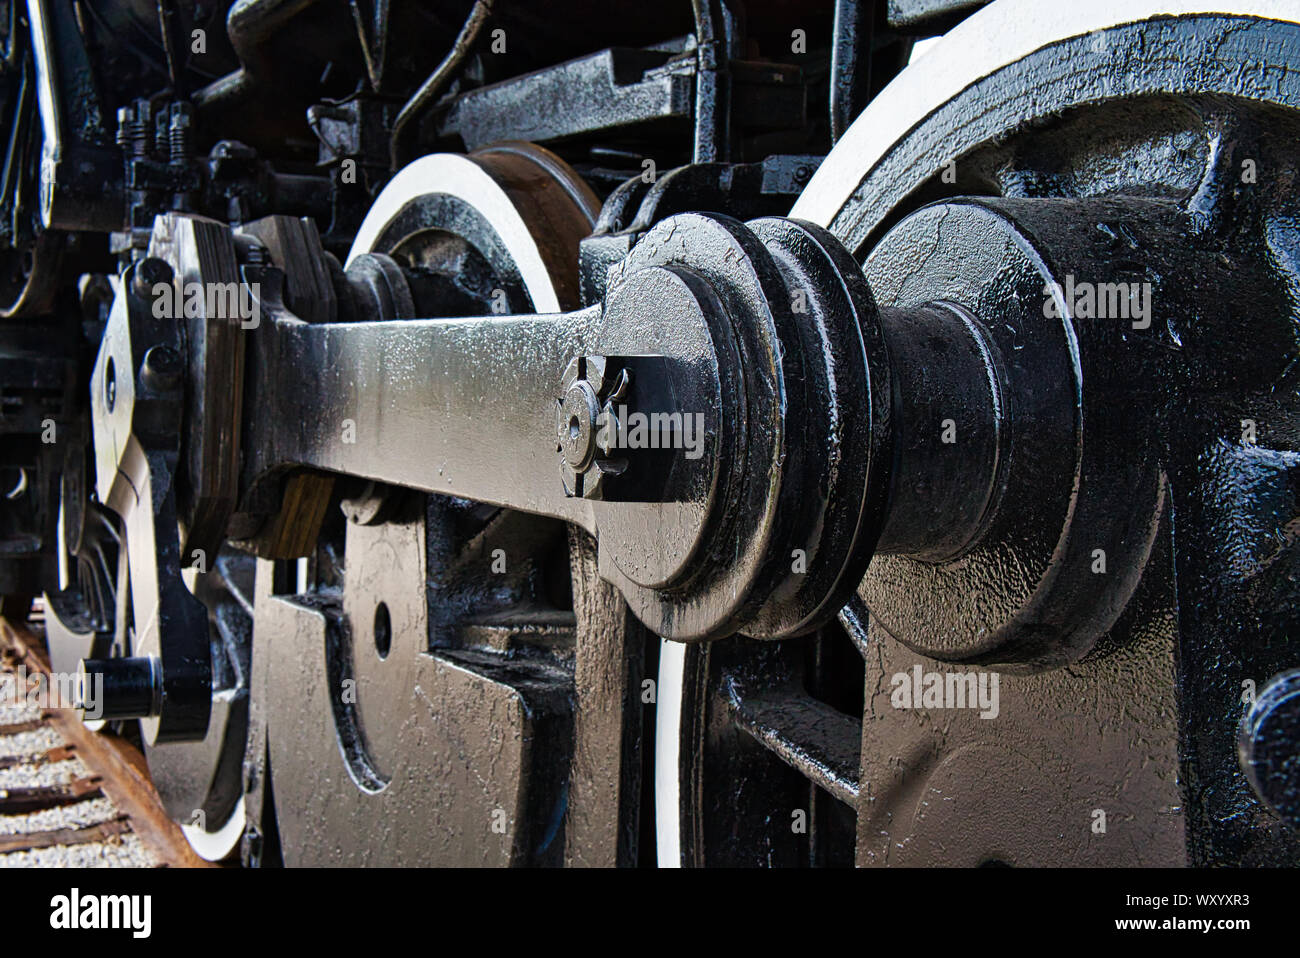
(850, 64)
(79, 184)
(928, 16)
(1195, 385)
(616, 88)
(137, 440)
(131, 687)
(1267, 745)
(690, 294)
(1112, 522)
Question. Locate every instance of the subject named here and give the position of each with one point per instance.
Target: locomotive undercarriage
(667, 441)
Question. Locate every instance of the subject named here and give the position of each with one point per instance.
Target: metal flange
(1023, 510)
(803, 416)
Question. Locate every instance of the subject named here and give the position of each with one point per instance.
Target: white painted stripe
(668, 740)
(999, 34)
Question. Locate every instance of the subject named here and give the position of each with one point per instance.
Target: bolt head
(149, 272)
(576, 425)
(161, 369)
(1268, 745)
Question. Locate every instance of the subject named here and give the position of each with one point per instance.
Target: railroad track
(68, 795)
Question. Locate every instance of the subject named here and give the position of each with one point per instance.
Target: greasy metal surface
(926, 14)
(79, 167)
(795, 728)
(1115, 518)
(846, 437)
(670, 312)
(1267, 744)
(419, 758)
(443, 74)
(381, 387)
(597, 460)
(72, 633)
(405, 402)
(1065, 480)
(610, 89)
(1231, 615)
(1145, 725)
(949, 387)
(603, 814)
(742, 278)
(786, 322)
(81, 621)
(718, 37)
(987, 78)
(767, 758)
(293, 243)
(850, 63)
(201, 783)
(392, 386)
(947, 787)
(743, 190)
(519, 206)
(468, 660)
(31, 254)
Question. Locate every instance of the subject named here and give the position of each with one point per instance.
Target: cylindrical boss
(122, 688)
(948, 422)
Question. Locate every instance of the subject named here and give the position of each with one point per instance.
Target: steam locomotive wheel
(416, 685)
(200, 783)
(1066, 130)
